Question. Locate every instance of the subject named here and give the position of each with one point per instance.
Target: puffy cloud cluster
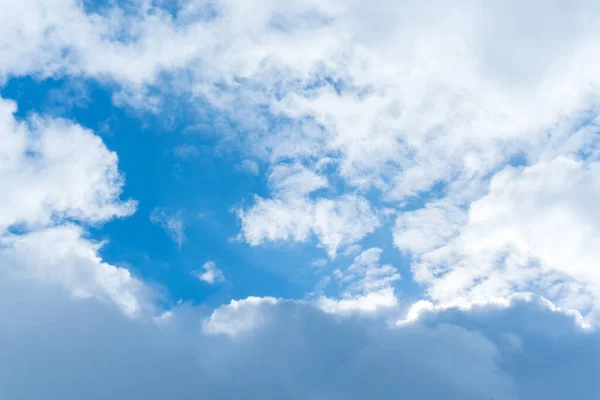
(536, 229)
(52, 170)
(292, 214)
(210, 273)
(53, 175)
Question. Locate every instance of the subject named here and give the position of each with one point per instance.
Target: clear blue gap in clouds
(205, 187)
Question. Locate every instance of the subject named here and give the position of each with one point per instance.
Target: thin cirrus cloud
(172, 222)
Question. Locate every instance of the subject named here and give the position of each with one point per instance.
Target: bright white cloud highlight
(210, 273)
(239, 316)
(54, 172)
(536, 229)
(292, 214)
(63, 256)
(52, 169)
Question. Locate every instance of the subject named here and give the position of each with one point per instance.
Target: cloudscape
(312, 200)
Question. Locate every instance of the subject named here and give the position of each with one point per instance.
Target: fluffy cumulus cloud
(536, 229)
(473, 124)
(62, 256)
(52, 169)
(210, 273)
(293, 215)
(54, 173)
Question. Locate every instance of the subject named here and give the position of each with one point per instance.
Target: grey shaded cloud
(55, 347)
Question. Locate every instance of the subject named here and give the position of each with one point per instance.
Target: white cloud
(536, 229)
(335, 222)
(210, 273)
(239, 316)
(365, 275)
(352, 250)
(427, 228)
(172, 222)
(51, 169)
(62, 256)
(423, 98)
(319, 262)
(365, 286)
(293, 215)
(369, 303)
(52, 173)
(294, 181)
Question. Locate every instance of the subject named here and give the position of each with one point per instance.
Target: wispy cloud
(249, 166)
(186, 152)
(172, 222)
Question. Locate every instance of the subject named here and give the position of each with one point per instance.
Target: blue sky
(203, 184)
(315, 200)
(205, 188)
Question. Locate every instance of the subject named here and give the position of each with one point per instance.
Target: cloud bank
(267, 349)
